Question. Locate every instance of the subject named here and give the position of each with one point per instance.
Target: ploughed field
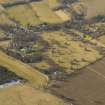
(85, 87)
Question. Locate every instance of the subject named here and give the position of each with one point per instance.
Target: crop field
(77, 53)
(45, 14)
(63, 15)
(24, 17)
(3, 43)
(53, 3)
(2, 34)
(102, 39)
(37, 13)
(24, 94)
(86, 87)
(4, 18)
(43, 65)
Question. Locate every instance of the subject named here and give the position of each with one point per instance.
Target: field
(66, 53)
(4, 18)
(23, 70)
(45, 14)
(53, 3)
(37, 13)
(19, 14)
(77, 54)
(85, 87)
(102, 39)
(2, 34)
(6, 1)
(47, 42)
(24, 94)
(63, 15)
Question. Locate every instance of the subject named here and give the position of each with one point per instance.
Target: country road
(86, 87)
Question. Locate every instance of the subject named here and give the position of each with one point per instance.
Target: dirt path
(87, 87)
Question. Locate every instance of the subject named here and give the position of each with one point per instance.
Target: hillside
(42, 41)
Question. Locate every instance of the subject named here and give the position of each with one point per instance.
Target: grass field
(26, 95)
(43, 65)
(102, 39)
(45, 13)
(68, 53)
(7, 1)
(2, 34)
(63, 15)
(33, 14)
(24, 15)
(5, 20)
(53, 3)
(23, 70)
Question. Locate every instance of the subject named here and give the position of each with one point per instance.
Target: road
(86, 87)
